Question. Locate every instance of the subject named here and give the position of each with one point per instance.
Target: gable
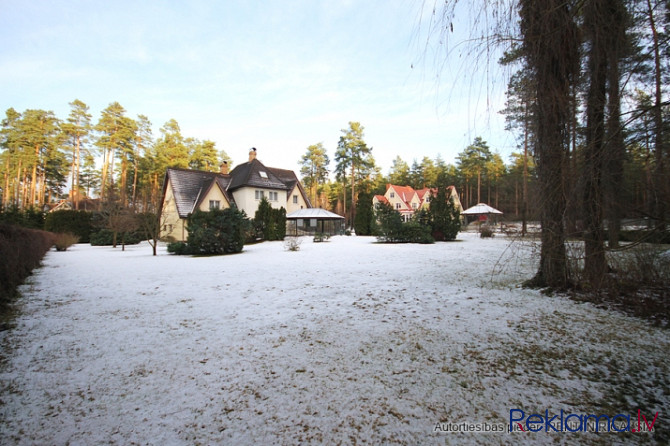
(189, 187)
(215, 193)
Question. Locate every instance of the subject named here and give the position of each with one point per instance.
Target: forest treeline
(44, 158)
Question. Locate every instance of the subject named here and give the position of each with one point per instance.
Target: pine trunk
(595, 263)
(552, 48)
(660, 196)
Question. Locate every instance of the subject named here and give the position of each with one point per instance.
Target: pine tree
(314, 169)
(77, 128)
(354, 155)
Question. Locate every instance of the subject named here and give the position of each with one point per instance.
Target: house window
(273, 196)
(392, 194)
(427, 198)
(295, 199)
(214, 204)
(397, 205)
(414, 206)
(260, 195)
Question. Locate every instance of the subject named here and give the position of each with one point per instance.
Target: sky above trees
(276, 75)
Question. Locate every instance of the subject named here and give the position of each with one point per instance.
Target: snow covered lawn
(347, 342)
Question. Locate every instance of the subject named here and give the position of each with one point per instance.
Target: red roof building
(407, 200)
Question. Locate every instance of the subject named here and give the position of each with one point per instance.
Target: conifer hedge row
(21, 250)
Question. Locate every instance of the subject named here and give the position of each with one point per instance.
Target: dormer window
(263, 174)
(392, 194)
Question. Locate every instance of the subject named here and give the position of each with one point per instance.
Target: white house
(245, 186)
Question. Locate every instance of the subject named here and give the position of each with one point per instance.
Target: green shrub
(391, 228)
(178, 248)
(105, 237)
(270, 223)
(389, 223)
(413, 232)
(321, 237)
(21, 250)
(63, 240)
(444, 217)
(218, 231)
(27, 218)
(74, 222)
(364, 219)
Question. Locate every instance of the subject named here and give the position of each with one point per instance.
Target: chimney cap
(252, 154)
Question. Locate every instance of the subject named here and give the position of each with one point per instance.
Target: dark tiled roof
(249, 174)
(290, 180)
(190, 186)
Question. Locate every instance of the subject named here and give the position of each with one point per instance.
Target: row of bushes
(21, 250)
(82, 224)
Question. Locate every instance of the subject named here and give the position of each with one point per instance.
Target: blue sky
(276, 75)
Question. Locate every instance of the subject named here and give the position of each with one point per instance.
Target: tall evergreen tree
(473, 162)
(551, 47)
(115, 133)
(353, 155)
(77, 128)
(314, 169)
(41, 136)
(399, 173)
(202, 155)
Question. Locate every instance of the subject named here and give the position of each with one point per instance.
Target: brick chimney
(252, 154)
(224, 167)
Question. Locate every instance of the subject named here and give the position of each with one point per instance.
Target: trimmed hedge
(28, 218)
(21, 250)
(69, 221)
(105, 237)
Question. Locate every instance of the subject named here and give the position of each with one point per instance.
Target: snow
(344, 342)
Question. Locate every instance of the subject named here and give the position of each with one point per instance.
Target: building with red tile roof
(407, 200)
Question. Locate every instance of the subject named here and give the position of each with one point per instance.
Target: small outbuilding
(312, 221)
(483, 213)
